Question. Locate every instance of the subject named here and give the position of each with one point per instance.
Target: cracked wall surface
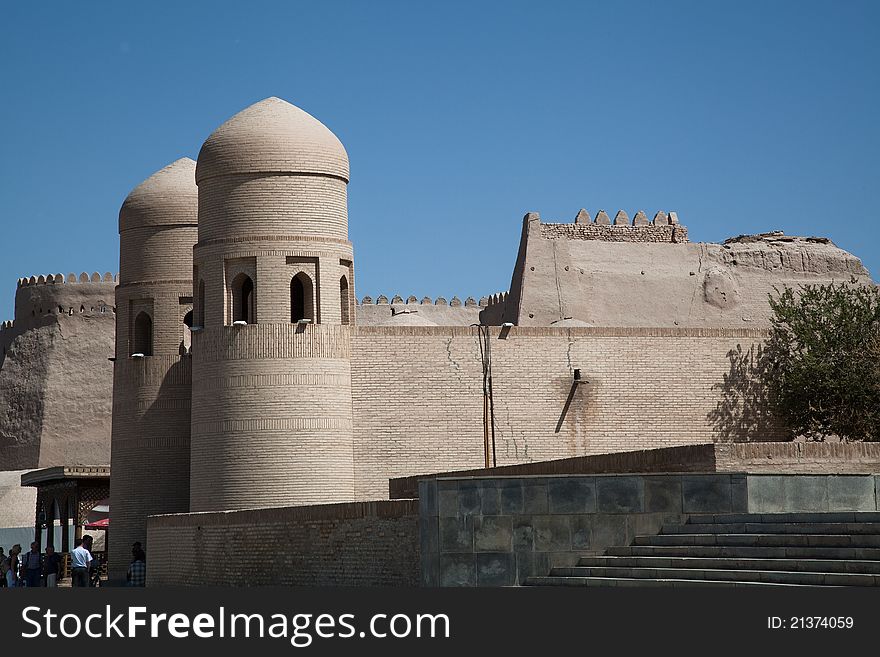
(417, 395)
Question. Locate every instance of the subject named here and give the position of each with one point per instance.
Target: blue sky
(458, 117)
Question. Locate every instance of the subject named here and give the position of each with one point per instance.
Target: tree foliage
(825, 354)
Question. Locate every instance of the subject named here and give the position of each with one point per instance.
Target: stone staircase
(780, 549)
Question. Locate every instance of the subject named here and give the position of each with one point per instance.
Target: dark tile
(663, 494)
(705, 493)
(608, 530)
(765, 493)
(490, 499)
(581, 531)
(851, 493)
(447, 502)
(493, 534)
(469, 498)
(429, 534)
(427, 497)
(571, 495)
(805, 493)
(511, 497)
(531, 564)
(497, 569)
(535, 498)
(620, 494)
(739, 493)
(429, 549)
(551, 533)
(644, 524)
(458, 570)
(523, 534)
(457, 534)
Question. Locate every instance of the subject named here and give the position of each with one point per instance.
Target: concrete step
(834, 516)
(643, 582)
(736, 575)
(728, 563)
(868, 528)
(757, 539)
(746, 552)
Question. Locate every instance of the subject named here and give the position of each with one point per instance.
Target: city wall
(417, 395)
(353, 544)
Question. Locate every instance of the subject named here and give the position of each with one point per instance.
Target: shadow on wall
(743, 412)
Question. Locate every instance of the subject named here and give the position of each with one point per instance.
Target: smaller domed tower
(152, 373)
(274, 290)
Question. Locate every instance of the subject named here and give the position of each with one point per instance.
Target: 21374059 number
(810, 623)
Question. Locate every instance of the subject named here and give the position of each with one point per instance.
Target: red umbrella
(103, 523)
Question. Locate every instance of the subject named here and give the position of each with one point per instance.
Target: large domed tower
(152, 373)
(274, 297)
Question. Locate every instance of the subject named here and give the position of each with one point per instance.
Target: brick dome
(168, 197)
(272, 136)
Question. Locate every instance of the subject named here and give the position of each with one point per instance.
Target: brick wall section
(356, 544)
(151, 448)
(800, 457)
(418, 405)
(687, 458)
(272, 416)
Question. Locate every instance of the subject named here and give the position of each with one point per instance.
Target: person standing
(33, 566)
(52, 566)
(4, 564)
(13, 564)
(80, 560)
(137, 570)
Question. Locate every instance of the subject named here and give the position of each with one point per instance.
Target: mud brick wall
(356, 544)
(417, 395)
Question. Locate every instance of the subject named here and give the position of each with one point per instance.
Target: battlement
(663, 228)
(56, 279)
(455, 302)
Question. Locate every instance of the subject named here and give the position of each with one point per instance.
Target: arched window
(343, 299)
(301, 298)
(243, 299)
(200, 306)
(143, 334)
(186, 343)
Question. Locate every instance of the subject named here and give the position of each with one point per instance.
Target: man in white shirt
(80, 560)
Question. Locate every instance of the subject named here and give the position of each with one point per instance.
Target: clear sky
(458, 118)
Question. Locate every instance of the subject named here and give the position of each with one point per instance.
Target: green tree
(824, 351)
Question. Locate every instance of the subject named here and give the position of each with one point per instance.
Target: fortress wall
(151, 432)
(79, 393)
(353, 544)
(55, 376)
(418, 404)
(622, 275)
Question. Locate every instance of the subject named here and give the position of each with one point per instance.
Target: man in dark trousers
(80, 560)
(33, 565)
